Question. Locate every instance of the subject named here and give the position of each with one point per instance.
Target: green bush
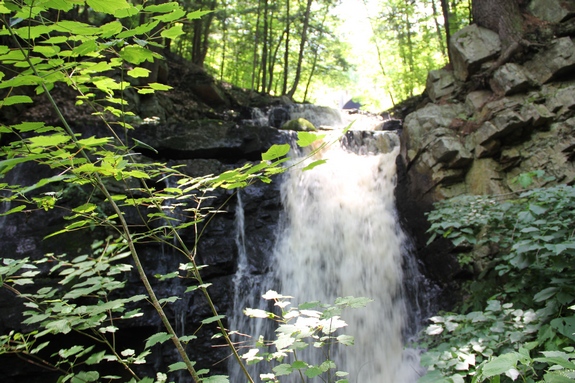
(521, 323)
(100, 61)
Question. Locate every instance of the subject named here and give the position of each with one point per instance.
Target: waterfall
(248, 290)
(340, 237)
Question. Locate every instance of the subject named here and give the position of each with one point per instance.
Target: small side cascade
(248, 288)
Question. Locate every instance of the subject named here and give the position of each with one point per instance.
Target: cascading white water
(342, 238)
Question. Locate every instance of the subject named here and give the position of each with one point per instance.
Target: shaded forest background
(376, 51)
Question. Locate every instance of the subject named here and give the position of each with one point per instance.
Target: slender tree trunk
(264, 65)
(256, 43)
(286, 51)
(273, 61)
(312, 72)
(302, 45)
(224, 45)
(200, 34)
(442, 39)
(379, 55)
(410, 59)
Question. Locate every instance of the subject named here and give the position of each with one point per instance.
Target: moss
(299, 124)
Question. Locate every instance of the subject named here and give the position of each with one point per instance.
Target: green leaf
(85, 208)
(545, 294)
(216, 379)
(307, 138)
(187, 338)
(558, 377)
(160, 337)
(282, 369)
(158, 86)
(174, 32)
(257, 313)
(197, 14)
(162, 8)
(177, 366)
(314, 371)
(298, 365)
(314, 164)
(346, 340)
(86, 48)
(172, 16)
(95, 358)
(213, 319)
(139, 72)
(66, 353)
(13, 100)
(565, 326)
(127, 12)
(108, 6)
(85, 377)
(276, 151)
(500, 364)
(169, 300)
(48, 141)
(136, 54)
(13, 210)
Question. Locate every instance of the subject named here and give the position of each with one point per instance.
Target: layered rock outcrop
(479, 142)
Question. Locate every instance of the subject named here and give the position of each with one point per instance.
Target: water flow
(248, 290)
(342, 238)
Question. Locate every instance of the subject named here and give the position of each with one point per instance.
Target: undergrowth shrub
(103, 180)
(517, 320)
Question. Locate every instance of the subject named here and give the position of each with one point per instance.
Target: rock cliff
(479, 129)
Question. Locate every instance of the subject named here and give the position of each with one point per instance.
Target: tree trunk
(264, 64)
(501, 16)
(255, 74)
(286, 51)
(446, 21)
(301, 49)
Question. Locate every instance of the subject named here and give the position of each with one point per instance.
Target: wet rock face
(199, 147)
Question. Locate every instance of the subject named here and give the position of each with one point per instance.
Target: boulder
(423, 126)
(299, 124)
(563, 101)
(450, 151)
(208, 139)
(390, 124)
(477, 99)
(509, 79)
(553, 11)
(537, 115)
(471, 47)
(440, 83)
(278, 116)
(483, 178)
(554, 62)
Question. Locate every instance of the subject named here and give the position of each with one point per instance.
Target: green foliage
(98, 182)
(311, 324)
(522, 252)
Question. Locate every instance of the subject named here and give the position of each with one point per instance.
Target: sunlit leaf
(108, 6)
(275, 152)
(160, 337)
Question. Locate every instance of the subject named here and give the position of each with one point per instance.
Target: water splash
(342, 238)
(248, 289)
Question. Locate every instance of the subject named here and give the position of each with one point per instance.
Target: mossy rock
(299, 124)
